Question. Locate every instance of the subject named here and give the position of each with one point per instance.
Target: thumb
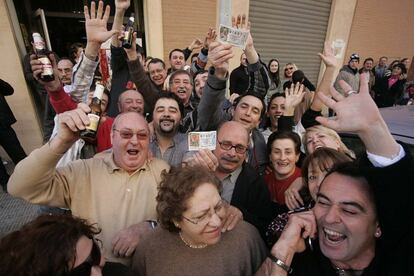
(53, 60)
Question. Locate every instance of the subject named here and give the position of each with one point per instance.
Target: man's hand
(122, 4)
(294, 96)
(292, 197)
(70, 124)
(210, 37)
(233, 97)
(203, 158)
(195, 44)
(219, 55)
(299, 227)
(241, 22)
(37, 69)
(233, 216)
(126, 240)
(328, 56)
(359, 114)
(131, 52)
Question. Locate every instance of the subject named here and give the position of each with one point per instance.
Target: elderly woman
(190, 240)
(283, 148)
(52, 245)
(314, 169)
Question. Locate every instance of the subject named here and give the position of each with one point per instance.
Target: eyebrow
(346, 203)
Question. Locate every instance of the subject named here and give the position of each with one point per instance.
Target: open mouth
(132, 152)
(166, 122)
(333, 237)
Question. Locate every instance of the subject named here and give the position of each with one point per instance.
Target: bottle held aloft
(41, 54)
(129, 31)
(89, 134)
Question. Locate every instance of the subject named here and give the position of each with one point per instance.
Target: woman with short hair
(190, 240)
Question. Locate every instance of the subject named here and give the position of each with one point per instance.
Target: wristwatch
(281, 264)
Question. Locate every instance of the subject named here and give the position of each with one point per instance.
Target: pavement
(14, 212)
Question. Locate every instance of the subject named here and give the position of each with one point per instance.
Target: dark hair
(275, 77)
(180, 72)
(175, 50)
(73, 50)
(253, 94)
(394, 62)
(283, 134)
(172, 96)
(199, 72)
(66, 58)
(176, 187)
(276, 95)
(354, 170)
(298, 76)
(369, 59)
(323, 158)
(402, 67)
(157, 60)
(45, 246)
(193, 55)
(403, 59)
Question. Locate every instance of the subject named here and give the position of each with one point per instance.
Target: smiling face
(283, 158)
(182, 87)
(199, 83)
(157, 73)
(131, 101)
(235, 134)
(316, 139)
(276, 109)
(177, 60)
(248, 112)
(206, 208)
(130, 141)
(274, 66)
(167, 117)
(346, 218)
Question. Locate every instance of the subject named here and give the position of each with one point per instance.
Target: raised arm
(120, 7)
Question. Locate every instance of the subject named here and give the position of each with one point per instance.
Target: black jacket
(252, 198)
(6, 115)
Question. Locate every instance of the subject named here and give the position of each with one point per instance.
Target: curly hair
(45, 246)
(176, 188)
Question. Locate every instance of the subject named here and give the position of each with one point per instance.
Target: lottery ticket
(233, 36)
(202, 140)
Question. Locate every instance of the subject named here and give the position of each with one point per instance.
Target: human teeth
(332, 233)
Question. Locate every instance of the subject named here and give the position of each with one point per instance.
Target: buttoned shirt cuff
(381, 161)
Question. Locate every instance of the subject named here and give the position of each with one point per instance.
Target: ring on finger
(351, 92)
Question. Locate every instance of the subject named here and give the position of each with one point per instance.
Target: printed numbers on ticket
(202, 140)
(233, 36)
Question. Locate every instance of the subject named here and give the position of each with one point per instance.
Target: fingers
(307, 221)
(86, 13)
(327, 101)
(364, 83)
(336, 95)
(345, 86)
(327, 122)
(100, 10)
(93, 10)
(107, 12)
(207, 158)
(297, 197)
(233, 216)
(76, 119)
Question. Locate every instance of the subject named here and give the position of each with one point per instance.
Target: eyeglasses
(219, 210)
(127, 134)
(94, 259)
(228, 146)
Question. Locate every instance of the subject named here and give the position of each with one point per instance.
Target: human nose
(332, 215)
(215, 219)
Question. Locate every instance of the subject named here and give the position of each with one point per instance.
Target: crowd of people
(280, 193)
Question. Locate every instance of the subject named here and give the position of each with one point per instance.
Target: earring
(378, 233)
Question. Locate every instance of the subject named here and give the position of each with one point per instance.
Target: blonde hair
(331, 133)
(295, 68)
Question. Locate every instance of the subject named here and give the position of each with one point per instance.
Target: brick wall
(185, 20)
(382, 27)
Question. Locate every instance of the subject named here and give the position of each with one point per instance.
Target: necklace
(345, 272)
(191, 245)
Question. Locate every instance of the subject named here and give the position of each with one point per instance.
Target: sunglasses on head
(94, 259)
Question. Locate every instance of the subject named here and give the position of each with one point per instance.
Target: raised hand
(122, 4)
(241, 22)
(328, 56)
(294, 96)
(96, 23)
(358, 114)
(210, 37)
(195, 44)
(37, 69)
(131, 52)
(219, 55)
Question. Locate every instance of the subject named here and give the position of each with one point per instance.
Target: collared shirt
(175, 152)
(229, 182)
(95, 189)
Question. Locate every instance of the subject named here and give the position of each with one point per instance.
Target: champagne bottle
(129, 31)
(41, 54)
(89, 134)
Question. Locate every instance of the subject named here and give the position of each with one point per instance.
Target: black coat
(388, 96)
(6, 115)
(251, 196)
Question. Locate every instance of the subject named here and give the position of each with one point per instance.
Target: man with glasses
(243, 188)
(116, 191)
